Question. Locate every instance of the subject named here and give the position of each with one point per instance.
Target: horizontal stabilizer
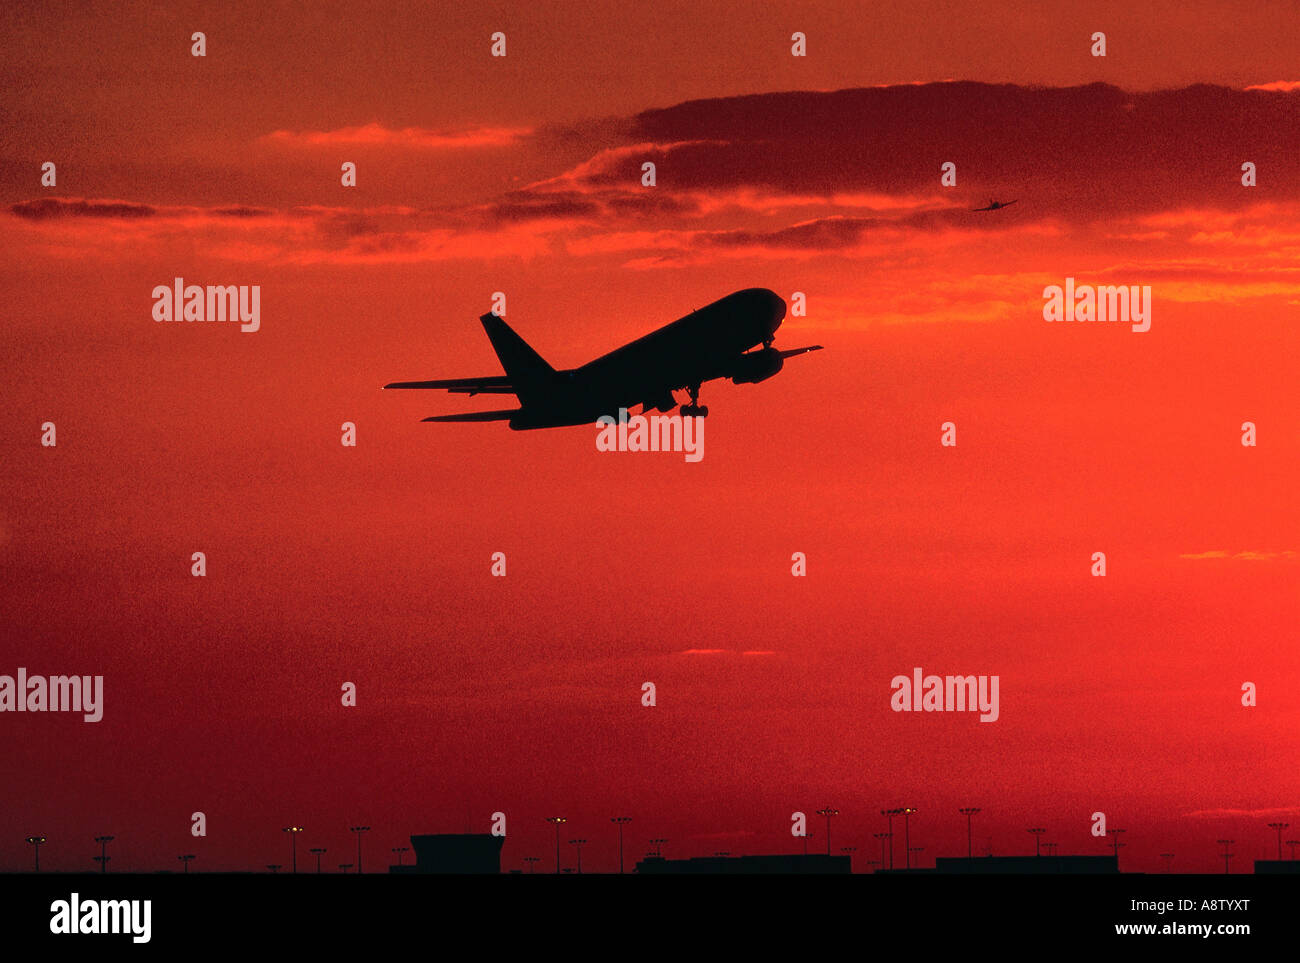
(794, 351)
(492, 383)
(476, 416)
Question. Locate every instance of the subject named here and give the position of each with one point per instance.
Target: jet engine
(757, 366)
(665, 403)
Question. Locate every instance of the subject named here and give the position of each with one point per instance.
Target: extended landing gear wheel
(694, 409)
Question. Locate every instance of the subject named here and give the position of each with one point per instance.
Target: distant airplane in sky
(713, 342)
(995, 206)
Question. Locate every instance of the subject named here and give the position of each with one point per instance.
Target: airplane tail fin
(519, 360)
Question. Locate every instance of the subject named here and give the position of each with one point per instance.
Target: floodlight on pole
(103, 852)
(882, 837)
(578, 844)
(557, 820)
(828, 812)
(1226, 844)
(1279, 827)
(1037, 832)
(889, 815)
(37, 840)
(293, 832)
(359, 830)
(621, 821)
(907, 833)
(1117, 844)
(968, 812)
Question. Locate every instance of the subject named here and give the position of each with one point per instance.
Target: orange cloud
(1286, 86)
(420, 138)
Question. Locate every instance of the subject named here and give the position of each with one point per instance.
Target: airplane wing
(794, 351)
(476, 416)
(490, 385)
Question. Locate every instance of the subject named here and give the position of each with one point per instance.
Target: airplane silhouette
(994, 205)
(713, 342)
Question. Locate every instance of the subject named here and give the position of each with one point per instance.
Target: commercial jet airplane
(713, 342)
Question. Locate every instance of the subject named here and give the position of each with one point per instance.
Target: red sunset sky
(819, 174)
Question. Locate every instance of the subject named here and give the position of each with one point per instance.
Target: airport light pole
(1037, 832)
(274, 867)
(1169, 861)
(828, 812)
(318, 852)
(1293, 843)
(577, 844)
(1226, 844)
(907, 833)
(1279, 827)
(359, 830)
(882, 837)
(557, 820)
(659, 846)
(345, 867)
(968, 812)
(621, 821)
(889, 815)
(185, 862)
(293, 832)
(1117, 844)
(532, 861)
(103, 852)
(37, 840)
(399, 850)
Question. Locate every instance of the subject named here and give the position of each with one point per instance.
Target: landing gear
(695, 409)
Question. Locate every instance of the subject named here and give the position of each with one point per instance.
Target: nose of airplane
(778, 311)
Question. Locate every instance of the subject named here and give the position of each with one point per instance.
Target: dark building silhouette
(1271, 866)
(455, 853)
(1025, 865)
(784, 863)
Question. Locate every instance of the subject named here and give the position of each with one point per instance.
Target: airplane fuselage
(716, 341)
(696, 348)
